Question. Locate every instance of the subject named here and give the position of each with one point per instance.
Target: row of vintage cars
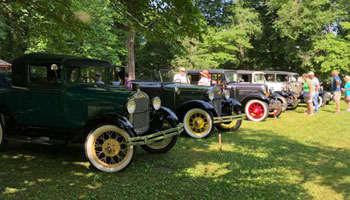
(57, 99)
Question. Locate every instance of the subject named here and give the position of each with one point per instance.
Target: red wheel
(256, 110)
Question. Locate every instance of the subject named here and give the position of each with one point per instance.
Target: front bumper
(219, 120)
(148, 139)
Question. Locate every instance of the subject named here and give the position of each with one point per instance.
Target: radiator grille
(141, 119)
(216, 102)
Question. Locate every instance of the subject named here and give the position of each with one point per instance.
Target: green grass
(303, 157)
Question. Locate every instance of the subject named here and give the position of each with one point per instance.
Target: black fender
(167, 113)
(157, 117)
(112, 118)
(232, 103)
(282, 93)
(181, 110)
(258, 96)
(291, 93)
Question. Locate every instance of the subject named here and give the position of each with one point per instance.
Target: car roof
(278, 72)
(214, 71)
(44, 57)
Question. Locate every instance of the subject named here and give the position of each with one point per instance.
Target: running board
(219, 120)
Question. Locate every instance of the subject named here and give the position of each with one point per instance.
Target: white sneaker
(348, 110)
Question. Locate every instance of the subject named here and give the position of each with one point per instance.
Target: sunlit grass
(301, 157)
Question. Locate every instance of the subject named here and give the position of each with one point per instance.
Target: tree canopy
(293, 35)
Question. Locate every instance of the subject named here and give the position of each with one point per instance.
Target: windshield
(282, 78)
(294, 78)
(91, 75)
(259, 78)
(230, 78)
(153, 75)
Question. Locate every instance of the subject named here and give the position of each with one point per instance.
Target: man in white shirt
(181, 77)
(98, 78)
(316, 84)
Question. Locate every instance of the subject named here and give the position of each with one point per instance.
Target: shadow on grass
(253, 164)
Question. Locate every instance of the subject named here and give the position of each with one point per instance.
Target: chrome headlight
(211, 95)
(131, 106)
(156, 103)
(227, 94)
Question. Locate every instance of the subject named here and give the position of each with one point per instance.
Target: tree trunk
(130, 59)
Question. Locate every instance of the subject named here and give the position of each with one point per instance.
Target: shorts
(347, 99)
(336, 97)
(310, 98)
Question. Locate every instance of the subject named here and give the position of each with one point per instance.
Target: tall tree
(157, 20)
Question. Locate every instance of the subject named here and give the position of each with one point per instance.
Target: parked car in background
(199, 108)
(58, 99)
(248, 87)
(285, 84)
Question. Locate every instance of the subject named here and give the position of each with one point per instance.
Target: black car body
(200, 108)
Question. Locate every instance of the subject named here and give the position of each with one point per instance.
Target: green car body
(54, 98)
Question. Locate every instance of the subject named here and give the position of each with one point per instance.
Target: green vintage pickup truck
(63, 99)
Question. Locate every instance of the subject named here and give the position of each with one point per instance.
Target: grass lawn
(304, 157)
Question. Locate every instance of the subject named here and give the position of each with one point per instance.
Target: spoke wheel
(106, 148)
(164, 145)
(230, 126)
(198, 123)
(256, 110)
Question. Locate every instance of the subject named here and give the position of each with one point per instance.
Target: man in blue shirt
(336, 90)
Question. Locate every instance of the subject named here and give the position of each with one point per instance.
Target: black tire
(278, 111)
(254, 115)
(164, 145)
(3, 139)
(284, 103)
(230, 126)
(106, 149)
(198, 123)
(295, 104)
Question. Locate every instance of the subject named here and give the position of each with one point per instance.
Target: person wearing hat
(205, 79)
(181, 77)
(316, 84)
(98, 78)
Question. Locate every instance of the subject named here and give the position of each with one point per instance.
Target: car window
(90, 75)
(217, 78)
(259, 78)
(230, 78)
(282, 78)
(44, 75)
(194, 78)
(245, 78)
(270, 77)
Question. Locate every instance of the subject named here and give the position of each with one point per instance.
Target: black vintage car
(248, 87)
(284, 83)
(200, 108)
(64, 99)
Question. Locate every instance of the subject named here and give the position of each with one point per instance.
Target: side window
(38, 75)
(194, 78)
(244, 78)
(270, 77)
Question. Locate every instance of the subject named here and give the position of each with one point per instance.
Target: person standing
(346, 89)
(336, 90)
(181, 77)
(205, 79)
(309, 91)
(316, 84)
